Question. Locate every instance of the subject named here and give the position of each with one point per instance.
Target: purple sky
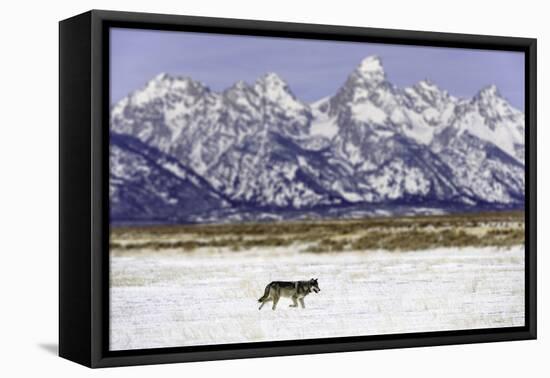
(313, 69)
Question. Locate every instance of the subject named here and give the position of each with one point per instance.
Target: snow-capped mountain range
(184, 153)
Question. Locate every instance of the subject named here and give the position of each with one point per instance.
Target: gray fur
(295, 290)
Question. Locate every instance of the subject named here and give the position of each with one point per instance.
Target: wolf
(296, 290)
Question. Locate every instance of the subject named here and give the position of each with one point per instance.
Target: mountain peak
(241, 84)
(426, 84)
(271, 79)
(163, 76)
(238, 86)
(163, 84)
(489, 91)
(370, 71)
(271, 85)
(429, 91)
(488, 96)
(370, 64)
(165, 79)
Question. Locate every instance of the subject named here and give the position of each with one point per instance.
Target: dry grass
(403, 233)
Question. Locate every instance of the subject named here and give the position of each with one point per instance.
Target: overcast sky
(313, 69)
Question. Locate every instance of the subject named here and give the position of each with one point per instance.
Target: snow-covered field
(170, 298)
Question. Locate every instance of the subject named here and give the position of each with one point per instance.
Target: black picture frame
(83, 182)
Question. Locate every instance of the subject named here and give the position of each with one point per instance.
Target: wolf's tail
(266, 294)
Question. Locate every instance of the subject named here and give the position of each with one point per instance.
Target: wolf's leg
(275, 301)
(295, 302)
(302, 303)
(264, 302)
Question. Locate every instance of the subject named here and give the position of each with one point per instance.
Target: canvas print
(268, 189)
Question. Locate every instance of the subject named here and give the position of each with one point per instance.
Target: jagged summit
(427, 85)
(488, 93)
(162, 77)
(164, 82)
(271, 78)
(238, 88)
(370, 64)
(489, 90)
(492, 104)
(274, 90)
(428, 88)
(241, 84)
(369, 72)
(426, 93)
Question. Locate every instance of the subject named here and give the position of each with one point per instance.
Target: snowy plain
(169, 298)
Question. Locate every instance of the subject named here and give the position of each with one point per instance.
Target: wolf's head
(314, 285)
